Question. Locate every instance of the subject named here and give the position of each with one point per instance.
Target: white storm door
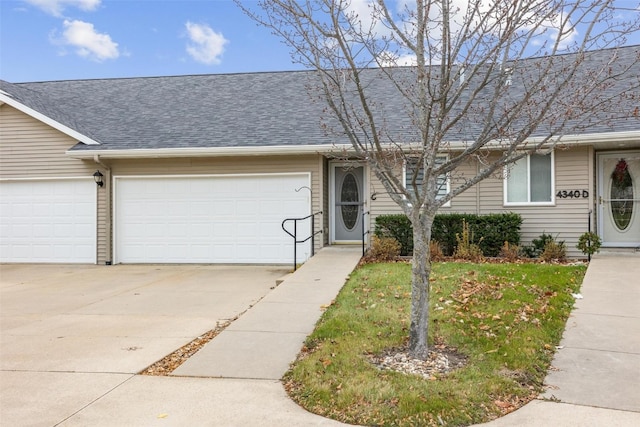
(209, 219)
(347, 198)
(49, 221)
(619, 198)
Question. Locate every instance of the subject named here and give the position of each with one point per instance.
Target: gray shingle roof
(42, 103)
(226, 110)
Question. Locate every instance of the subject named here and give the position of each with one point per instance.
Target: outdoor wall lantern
(97, 176)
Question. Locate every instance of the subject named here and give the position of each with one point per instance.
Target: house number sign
(573, 194)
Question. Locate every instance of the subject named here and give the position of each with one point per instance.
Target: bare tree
(508, 77)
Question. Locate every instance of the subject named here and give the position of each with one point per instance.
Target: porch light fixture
(97, 176)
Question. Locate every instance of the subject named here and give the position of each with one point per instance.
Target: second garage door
(48, 220)
(209, 219)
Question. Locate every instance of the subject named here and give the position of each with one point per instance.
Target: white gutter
(281, 150)
(593, 138)
(151, 153)
(576, 139)
(4, 98)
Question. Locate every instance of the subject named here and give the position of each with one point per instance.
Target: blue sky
(43, 40)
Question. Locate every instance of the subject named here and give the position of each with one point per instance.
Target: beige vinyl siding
(232, 165)
(490, 193)
(384, 204)
(325, 201)
(31, 149)
(466, 202)
(569, 217)
(566, 220)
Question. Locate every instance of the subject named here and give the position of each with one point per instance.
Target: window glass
(530, 180)
(518, 182)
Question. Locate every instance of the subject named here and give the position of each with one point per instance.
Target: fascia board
(587, 139)
(152, 153)
(47, 120)
(583, 139)
(574, 139)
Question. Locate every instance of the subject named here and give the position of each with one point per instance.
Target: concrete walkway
(234, 379)
(595, 379)
(266, 339)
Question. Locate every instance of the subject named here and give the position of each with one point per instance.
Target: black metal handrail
(364, 233)
(295, 235)
(589, 240)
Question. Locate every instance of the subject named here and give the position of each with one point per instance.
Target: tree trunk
(421, 269)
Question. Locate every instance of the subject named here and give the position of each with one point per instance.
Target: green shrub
(537, 245)
(396, 226)
(491, 231)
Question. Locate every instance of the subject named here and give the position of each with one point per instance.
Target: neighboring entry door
(348, 200)
(619, 198)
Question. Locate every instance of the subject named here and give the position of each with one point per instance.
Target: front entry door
(619, 198)
(348, 200)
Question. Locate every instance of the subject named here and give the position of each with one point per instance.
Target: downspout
(107, 204)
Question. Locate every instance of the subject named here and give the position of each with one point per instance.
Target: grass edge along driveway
(504, 319)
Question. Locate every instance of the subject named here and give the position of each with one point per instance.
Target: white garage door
(209, 219)
(48, 221)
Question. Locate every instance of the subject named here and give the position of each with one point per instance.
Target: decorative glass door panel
(619, 198)
(349, 201)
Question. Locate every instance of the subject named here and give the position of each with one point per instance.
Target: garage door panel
(41, 230)
(247, 207)
(223, 208)
(17, 252)
(269, 232)
(48, 221)
(178, 208)
(62, 230)
(201, 208)
(21, 211)
(228, 219)
(247, 230)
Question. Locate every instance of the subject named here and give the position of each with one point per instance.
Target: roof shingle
(228, 110)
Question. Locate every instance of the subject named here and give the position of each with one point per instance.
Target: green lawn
(506, 319)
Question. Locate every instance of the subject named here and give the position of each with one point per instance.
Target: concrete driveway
(70, 334)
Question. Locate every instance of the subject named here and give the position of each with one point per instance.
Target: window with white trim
(530, 181)
(443, 180)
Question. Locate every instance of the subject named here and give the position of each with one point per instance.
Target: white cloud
(389, 59)
(367, 17)
(206, 45)
(55, 7)
(88, 42)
